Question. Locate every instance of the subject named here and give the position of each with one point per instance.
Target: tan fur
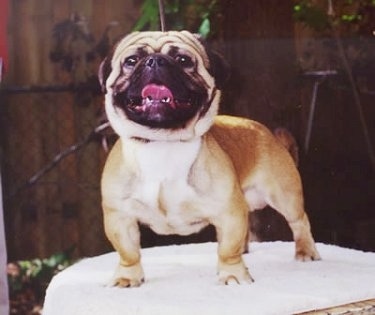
(181, 184)
(288, 141)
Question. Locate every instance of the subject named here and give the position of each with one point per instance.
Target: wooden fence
(38, 121)
(55, 43)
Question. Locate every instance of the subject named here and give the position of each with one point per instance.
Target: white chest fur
(162, 188)
(159, 161)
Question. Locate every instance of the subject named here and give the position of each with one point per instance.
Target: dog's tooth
(166, 100)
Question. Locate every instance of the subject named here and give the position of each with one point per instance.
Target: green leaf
(205, 28)
(297, 8)
(149, 17)
(312, 16)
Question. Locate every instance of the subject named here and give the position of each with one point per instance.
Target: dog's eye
(184, 61)
(131, 61)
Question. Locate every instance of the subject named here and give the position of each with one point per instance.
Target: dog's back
(251, 146)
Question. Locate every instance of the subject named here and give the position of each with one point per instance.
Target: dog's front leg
(123, 233)
(231, 230)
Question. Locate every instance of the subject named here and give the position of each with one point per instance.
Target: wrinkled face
(160, 86)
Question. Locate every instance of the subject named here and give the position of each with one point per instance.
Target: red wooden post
(3, 35)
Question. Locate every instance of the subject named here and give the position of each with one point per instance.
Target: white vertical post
(4, 300)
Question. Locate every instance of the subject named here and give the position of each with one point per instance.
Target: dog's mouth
(161, 93)
(157, 98)
(157, 106)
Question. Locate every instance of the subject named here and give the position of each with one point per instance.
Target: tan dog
(177, 167)
(287, 140)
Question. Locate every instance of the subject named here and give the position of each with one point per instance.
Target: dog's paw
(126, 283)
(234, 274)
(127, 277)
(309, 253)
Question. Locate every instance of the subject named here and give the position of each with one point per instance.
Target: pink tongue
(157, 93)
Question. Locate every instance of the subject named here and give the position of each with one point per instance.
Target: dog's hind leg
(289, 203)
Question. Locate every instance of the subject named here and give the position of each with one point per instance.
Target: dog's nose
(155, 61)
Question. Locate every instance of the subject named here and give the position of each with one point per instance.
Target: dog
(178, 166)
(286, 138)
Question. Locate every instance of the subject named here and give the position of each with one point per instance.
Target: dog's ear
(105, 69)
(219, 68)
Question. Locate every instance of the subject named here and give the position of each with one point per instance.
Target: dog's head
(162, 86)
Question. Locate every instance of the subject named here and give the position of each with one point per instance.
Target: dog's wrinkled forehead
(159, 42)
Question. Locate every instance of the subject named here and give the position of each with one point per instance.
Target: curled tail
(285, 137)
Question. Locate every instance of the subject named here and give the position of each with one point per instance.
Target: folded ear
(219, 68)
(105, 69)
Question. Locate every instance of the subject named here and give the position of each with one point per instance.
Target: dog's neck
(145, 140)
(157, 160)
(142, 140)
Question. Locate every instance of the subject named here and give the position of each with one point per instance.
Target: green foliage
(196, 16)
(150, 16)
(311, 15)
(317, 17)
(205, 27)
(36, 273)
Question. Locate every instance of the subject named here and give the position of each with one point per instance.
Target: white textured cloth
(4, 304)
(182, 280)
